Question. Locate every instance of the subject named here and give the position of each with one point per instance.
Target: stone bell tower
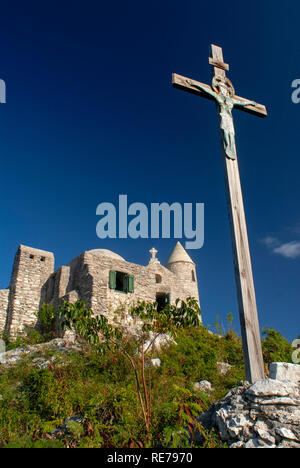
(181, 264)
(31, 269)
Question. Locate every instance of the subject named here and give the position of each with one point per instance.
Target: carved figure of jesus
(226, 102)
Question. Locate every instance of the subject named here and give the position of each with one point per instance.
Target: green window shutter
(168, 298)
(112, 279)
(130, 283)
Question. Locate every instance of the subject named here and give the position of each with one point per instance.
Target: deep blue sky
(91, 114)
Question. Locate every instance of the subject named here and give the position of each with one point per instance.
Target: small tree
(276, 348)
(97, 331)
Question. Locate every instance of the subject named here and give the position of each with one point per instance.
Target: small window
(31, 256)
(121, 282)
(42, 259)
(193, 276)
(158, 278)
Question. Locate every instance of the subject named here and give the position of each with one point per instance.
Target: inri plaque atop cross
(222, 91)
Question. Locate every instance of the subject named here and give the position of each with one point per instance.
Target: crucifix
(223, 93)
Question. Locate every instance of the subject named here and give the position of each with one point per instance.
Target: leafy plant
(47, 317)
(275, 347)
(27, 442)
(97, 331)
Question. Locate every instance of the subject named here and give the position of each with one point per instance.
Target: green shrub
(191, 357)
(47, 317)
(46, 393)
(26, 442)
(275, 347)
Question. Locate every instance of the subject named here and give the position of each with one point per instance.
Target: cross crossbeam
(182, 82)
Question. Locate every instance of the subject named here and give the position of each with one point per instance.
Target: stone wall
(32, 268)
(87, 278)
(56, 286)
(70, 282)
(105, 300)
(4, 294)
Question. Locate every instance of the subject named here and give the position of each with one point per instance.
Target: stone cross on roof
(153, 258)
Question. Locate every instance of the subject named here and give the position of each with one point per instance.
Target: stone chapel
(100, 277)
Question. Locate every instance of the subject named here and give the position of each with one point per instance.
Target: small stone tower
(181, 264)
(31, 269)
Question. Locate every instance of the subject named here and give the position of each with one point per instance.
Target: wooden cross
(223, 93)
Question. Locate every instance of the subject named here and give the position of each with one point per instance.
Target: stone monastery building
(101, 278)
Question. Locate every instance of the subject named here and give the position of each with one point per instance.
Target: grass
(102, 391)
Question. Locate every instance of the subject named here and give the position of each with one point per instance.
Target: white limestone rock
(288, 444)
(266, 436)
(13, 356)
(158, 343)
(287, 434)
(271, 388)
(252, 443)
(263, 415)
(239, 444)
(203, 386)
(155, 362)
(223, 368)
(238, 424)
(285, 372)
(10, 358)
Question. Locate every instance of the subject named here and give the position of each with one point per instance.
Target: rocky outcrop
(263, 415)
(203, 386)
(36, 352)
(285, 372)
(157, 343)
(223, 368)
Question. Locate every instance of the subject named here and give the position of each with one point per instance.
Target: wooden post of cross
(223, 93)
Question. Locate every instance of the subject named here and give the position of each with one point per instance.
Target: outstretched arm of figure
(205, 89)
(244, 103)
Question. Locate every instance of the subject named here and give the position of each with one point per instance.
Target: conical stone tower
(181, 264)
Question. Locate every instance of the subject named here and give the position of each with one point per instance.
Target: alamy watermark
(296, 353)
(296, 93)
(159, 220)
(2, 92)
